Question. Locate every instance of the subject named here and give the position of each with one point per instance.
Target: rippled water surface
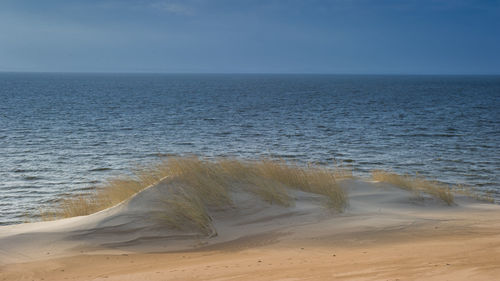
(64, 133)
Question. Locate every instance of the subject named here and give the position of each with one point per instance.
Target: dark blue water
(64, 133)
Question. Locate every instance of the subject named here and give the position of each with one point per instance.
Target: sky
(251, 36)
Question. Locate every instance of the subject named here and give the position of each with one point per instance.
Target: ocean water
(64, 133)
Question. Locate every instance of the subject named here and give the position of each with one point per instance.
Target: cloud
(173, 8)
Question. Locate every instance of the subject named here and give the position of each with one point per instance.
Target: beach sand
(384, 234)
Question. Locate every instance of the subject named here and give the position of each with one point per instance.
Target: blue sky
(274, 36)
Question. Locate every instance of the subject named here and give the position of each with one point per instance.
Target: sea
(65, 133)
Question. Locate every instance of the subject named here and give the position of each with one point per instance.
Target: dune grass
(113, 192)
(268, 179)
(417, 185)
(185, 210)
(313, 179)
(201, 185)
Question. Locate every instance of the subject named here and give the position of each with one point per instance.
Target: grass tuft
(206, 179)
(185, 210)
(313, 179)
(417, 185)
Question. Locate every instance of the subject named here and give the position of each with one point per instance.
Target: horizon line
(250, 73)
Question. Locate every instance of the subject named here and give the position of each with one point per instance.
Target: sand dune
(384, 234)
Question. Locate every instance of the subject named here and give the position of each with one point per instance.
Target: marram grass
(201, 185)
(418, 185)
